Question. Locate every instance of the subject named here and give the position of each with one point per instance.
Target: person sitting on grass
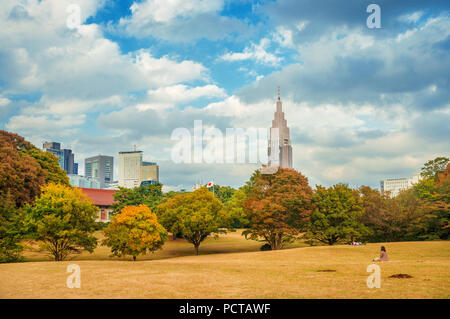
(383, 255)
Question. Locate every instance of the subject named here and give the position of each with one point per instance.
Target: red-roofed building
(103, 199)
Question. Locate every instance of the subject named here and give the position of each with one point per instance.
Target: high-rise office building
(65, 157)
(280, 149)
(100, 168)
(130, 169)
(149, 172)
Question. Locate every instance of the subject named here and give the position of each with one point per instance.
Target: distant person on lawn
(383, 255)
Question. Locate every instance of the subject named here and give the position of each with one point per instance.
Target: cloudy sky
(362, 104)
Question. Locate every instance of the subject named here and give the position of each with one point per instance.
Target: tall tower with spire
(280, 149)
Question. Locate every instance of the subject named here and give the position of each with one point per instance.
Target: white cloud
(283, 36)
(4, 101)
(46, 125)
(166, 11)
(256, 52)
(179, 20)
(165, 97)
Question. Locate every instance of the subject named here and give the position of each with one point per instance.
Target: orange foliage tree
(134, 231)
(278, 206)
(24, 169)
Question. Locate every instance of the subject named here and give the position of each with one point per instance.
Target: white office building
(130, 169)
(395, 185)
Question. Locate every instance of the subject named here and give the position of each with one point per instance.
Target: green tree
(223, 193)
(169, 213)
(10, 231)
(198, 215)
(235, 209)
(432, 168)
(150, 195)
(336, 215)
(134, 231)
(62, 219)
(278, 206)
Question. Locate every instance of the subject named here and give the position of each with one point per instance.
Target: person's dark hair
(383, 249)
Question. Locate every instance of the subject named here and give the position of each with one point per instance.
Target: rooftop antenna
(278, 93)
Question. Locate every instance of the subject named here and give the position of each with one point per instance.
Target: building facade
(65, 157)
(83, 182)
(130, 169)
(395, 185)
(280, 149)
(103, 199)
(100, 168)
(149, 172)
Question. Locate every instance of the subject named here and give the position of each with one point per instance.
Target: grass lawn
(231, 267)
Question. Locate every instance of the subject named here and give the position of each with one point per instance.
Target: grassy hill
(232, 267)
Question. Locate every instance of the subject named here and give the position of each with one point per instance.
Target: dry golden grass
(244, 273)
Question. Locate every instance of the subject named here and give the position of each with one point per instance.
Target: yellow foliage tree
(134, 231)
(62, 219)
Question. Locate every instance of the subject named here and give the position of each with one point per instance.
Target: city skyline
(363, 105)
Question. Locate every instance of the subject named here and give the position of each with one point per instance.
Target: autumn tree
(150, 195)
(196, 214)
(432, 168)
(169, 213)
(436, 197)
(277, 206)
(381, 215)
(134, 231)
(62, 219)
(336, 215)
(24, 169)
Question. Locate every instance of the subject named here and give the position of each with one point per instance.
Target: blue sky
(362, 104)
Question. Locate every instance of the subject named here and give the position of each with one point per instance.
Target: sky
(363, 104)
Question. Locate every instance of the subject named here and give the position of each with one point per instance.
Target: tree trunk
(174, 236)
(134, 258)
(196, 249)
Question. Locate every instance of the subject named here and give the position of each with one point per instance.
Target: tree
(24, 169)
(436, 197)
(169, 213)
(196, 214)
(62, 219)
(134, 231)
(223, 193)
(150, 195)
(278, 206)
(235, 209)
(10, 232)
(432, 168)
(336, 213)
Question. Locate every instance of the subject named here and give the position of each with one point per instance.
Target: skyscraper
(130, 169)
(149, 172)
(100, 168)
(65, 157)
(280, 149)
